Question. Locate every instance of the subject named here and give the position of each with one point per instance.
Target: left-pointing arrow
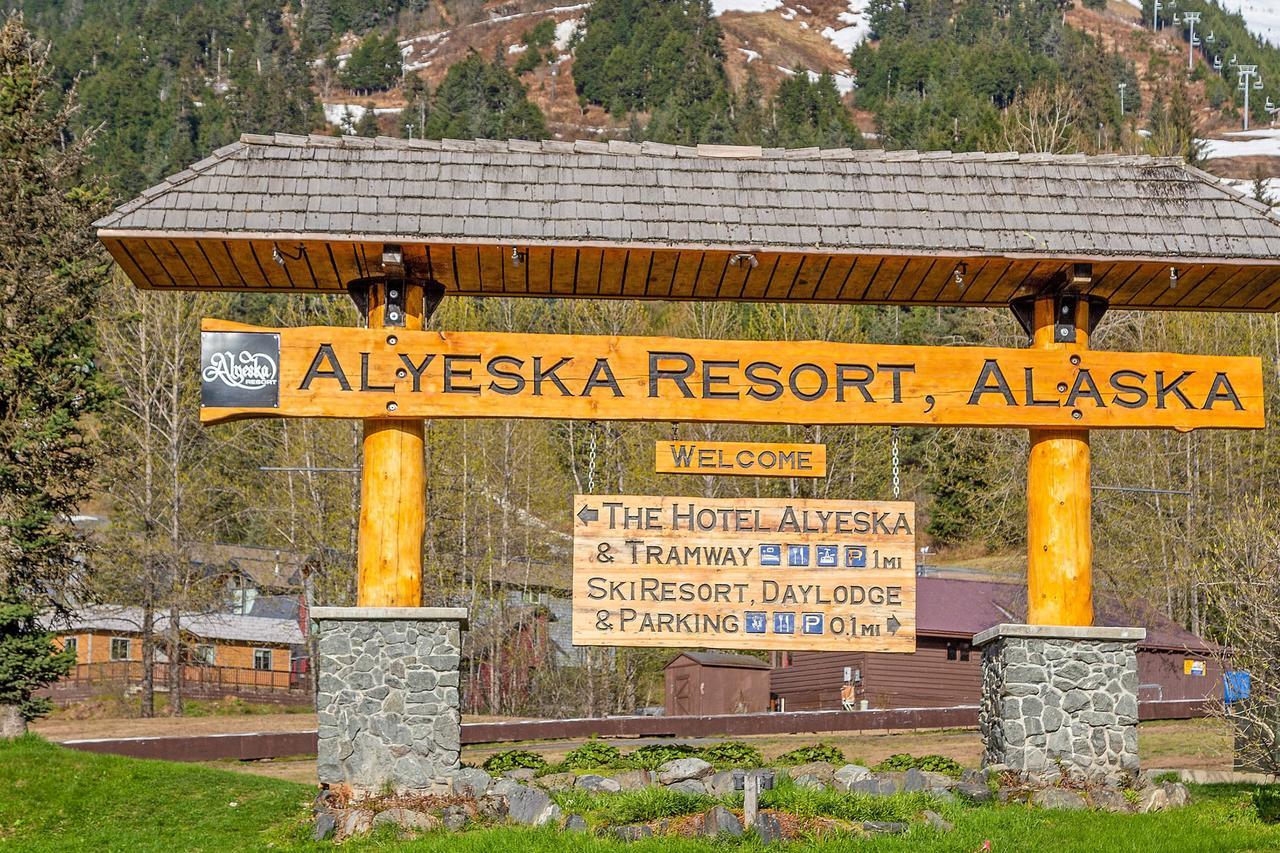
(587, 515)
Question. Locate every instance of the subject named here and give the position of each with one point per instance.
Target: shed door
(681, 700)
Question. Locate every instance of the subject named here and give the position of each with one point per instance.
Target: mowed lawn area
(52, 798)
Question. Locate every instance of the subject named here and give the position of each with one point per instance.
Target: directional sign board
(744, 573)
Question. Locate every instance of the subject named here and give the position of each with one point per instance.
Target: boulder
(768, 827)
(593, 782)
(1060, 799)
(875, 786)
(808, 780)
(407, 819)
(633, 833)
(492, 808)
(1163, 796)
(575, 823)
(936, 783)
(913, 781)
(725, 782)
(884, 827)
(720, 821)
(937, 821)
(324, 827)
(528, 806)
(974, 792)
(688, 786)
(356, 822)
(454, 818)
(520, 774)
(557, 781)
(471, 782)
(633, 780)
(979, 777)
(682, 769)
(848, 774)
(1110, 800)
(823, 771)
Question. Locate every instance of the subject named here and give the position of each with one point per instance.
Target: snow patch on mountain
(719, 7)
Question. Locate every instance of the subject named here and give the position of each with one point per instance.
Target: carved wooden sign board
(745, 573)
(740, 458)
(396, 373)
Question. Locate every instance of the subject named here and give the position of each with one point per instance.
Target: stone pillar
(387, 703)
(1060, 700)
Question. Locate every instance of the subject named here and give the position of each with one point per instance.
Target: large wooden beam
(393, 485)
(1059, 537)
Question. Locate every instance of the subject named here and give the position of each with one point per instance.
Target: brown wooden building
(944, 670)
(701, 683)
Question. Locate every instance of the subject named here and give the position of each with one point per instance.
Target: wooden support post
(1059, 536)
(393, 486)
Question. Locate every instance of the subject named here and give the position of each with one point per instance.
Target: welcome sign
(763, 573)
(371, 373)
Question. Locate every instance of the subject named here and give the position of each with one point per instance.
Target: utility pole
(1192, 18)
(1122, 87)
(1246, 72)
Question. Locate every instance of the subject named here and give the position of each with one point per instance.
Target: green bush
(1267, 802)
(591, 755)
(816, 752)
(514, 759)
(733, 753)
(655, 755)
(825, 802)
(931, 763)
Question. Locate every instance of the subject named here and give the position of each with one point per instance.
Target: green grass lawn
(53, 798)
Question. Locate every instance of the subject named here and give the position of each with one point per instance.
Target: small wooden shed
(705, 683)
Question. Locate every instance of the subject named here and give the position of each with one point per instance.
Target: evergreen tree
(1258, 187)
(483, 100)
(51, 268)
(368, 123)
(374, 64)
(809, 113)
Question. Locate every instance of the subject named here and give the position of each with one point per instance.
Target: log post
(1059, 535)
(393, 484)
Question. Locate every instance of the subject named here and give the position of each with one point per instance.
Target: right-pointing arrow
(587, 515)
(892, 624)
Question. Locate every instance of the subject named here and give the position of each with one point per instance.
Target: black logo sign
(239, 369)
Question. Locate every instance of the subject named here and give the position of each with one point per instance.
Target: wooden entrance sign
(744, 573)
(740, 458)
(408, 374)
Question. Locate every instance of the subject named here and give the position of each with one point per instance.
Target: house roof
(722, 659)
(948, 607)
(206, 626)
(266, 567)
(647, 220)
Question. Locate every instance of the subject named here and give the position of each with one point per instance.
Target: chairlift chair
(1209, 39)
(1257, 84)
(1217, 63)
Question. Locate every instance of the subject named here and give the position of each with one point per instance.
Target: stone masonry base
(387, 704)
(1060, 700)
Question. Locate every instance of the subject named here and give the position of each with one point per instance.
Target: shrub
(931, 763)
(733, 753)
(1267, 802)
(816, 752)
(825, 802)
(899, 761)
(591, 755)
(655, 755)
(514, 759)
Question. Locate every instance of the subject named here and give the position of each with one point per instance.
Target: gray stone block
(594, 782)
(471, 782)
(688, 786)
(684, 768)
(720, 821)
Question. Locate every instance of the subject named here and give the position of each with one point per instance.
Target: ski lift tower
(1191, 19)
(1248, 73)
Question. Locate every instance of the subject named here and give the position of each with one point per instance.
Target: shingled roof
(661, 221)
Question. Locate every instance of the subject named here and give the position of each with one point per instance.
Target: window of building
(535, 596)
(119, 648)
(262, 658)
(951, 651)
(71, 644)
(204, 654)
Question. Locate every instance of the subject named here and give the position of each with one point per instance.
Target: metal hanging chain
(893, 444)
(591, 461)
(675, 430)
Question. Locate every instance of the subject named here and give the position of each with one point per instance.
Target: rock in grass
(823, 771)
(936, 783)
(1110, 800)
(454, 818)
(634, 780)
(520, 774)
(884, 827)
(325, 825)
(1161, 797)
(407, 819)
(808, 780)
(688, 786)
(913, 780)
(974, 792)
(720, 821)
(471, 782)
(557, 781)
(575, 823)
(725, 782)
(848, 774)
(356, 822)
(594, 782)
(975, 775)
(937, 821)
(1060, 799)
(768, 827)
(633, 833)
(529, 806)
(682, 769)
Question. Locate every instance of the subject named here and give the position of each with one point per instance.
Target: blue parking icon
(855, 556)
(784, 623)
(797, 555)
(771, 555)
(757, 621)
(811, 623)
(828, 556)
